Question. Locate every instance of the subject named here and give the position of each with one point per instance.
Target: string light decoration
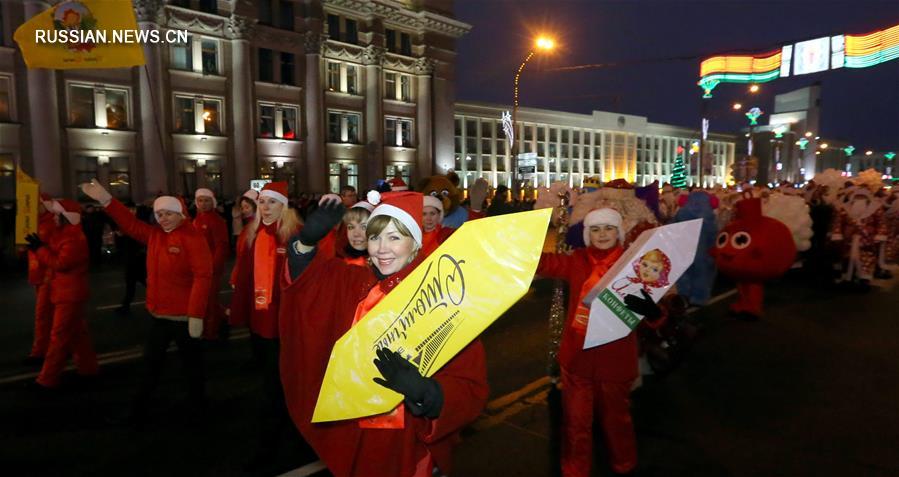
(802, 143)
(849, 150)
(738, 69)
(557, 306)
(872, 49)
(753, 116)
(678, 170)
(890, 155)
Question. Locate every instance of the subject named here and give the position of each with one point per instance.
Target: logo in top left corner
(74, 16)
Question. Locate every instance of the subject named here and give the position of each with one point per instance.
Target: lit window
(342, 77)
(99, 107)
(198, 115)
(341, 175)
(405, 87)
(198, 54)
(343, 127)
(278, 121)
(390, 85)
(5, 108)
(398, 132)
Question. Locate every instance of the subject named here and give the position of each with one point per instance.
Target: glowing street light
(542, 44)
(824, 145)
(809, 134)
(868, 153)
(545, 43)
(737, 106)
(754, 88)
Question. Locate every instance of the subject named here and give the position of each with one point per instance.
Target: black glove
(643, 306)
(422, 395)
(34, 242)
(321, 221)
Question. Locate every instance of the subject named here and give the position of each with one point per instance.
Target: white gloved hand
(95, 191)
(195, 327)
(478, 193)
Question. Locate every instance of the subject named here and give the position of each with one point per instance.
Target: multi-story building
(321, 93)
(571, 147)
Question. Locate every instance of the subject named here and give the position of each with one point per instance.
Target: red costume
(433, 239)
(66, 260)
(39, 277)
(596, 381)
(212, 226)
(751, 250)
(318, 308)
(263, 316)
(179, 265)
(860, 236)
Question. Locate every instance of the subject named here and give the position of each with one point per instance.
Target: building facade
(320, 93)
(571, 147)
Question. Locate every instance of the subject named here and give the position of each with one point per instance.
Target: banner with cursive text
(444, 304)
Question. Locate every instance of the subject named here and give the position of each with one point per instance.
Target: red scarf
(264, 251)
(600, 262)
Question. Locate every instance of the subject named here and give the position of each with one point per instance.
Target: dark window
(287, 68)
(184, 114)
(405, 44)
(209, 6)
(266, 72)
(81, 107)
(265, 12)
(391, 40)
(334, 27)
(352, 33)
(266, 121)
(181, 3)
(210, 56)
(285, 15)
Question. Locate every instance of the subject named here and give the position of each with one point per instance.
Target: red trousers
(584, 397)
(214, 312)
(43, 321)
(68, 336)
(750, 298)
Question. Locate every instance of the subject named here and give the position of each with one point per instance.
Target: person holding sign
(322, 300)
(597, 380)
(179, 275)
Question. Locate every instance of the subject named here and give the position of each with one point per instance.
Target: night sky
(860, 106)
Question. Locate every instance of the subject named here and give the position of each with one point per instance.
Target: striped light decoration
(872, 49)
(738, 69)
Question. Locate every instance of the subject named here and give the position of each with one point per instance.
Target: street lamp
(737, 106)
(542, 44)
(754, 88)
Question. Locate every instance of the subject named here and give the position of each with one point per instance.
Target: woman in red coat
(214, 229)
(256, 300)
(39, 277)
(322, 300)
(179, 275)
(355, 252)
(596, 380)
(66, 259)
(435, 233)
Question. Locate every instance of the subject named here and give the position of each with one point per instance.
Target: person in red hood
(66, 259)
(39, 277)
(596, 380)
(435, 233)
(256, 300)
(322, 299)
(179, 275)
(213, 227)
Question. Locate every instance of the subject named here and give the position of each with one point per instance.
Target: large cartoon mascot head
(442, 188)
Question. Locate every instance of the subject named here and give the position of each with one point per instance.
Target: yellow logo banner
(27, 197)
(444, 304)
(82, 34)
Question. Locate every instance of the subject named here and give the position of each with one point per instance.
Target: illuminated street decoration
(678, 170)
(890, 155)
(849, 150)
(802, 143)
(779, 131)
(804, 57)
(508, 128)
(753, 116)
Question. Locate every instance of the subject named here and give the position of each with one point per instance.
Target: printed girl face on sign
(653, 268)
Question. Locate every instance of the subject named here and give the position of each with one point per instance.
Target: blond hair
(377, 225)
(355, 214)
(288, 224)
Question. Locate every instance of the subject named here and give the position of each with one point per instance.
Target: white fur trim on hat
(401, 215)
(604, 216)
(373, 197)
(363, 205)
(202, 191)
(252, 194)
(274, 195)
(431, 201)
(169, 203)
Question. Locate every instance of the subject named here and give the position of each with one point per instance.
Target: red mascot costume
(750, 250)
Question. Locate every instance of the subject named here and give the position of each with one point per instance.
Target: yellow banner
(83, 34)
(444, 304)
(27, 198)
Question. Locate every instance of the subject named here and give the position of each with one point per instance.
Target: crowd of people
(306, 271)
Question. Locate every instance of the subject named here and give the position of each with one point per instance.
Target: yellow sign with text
(444, 304)
(83, 34)
(27, 197)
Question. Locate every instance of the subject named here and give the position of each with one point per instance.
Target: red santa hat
(68, 208)
(403, 206)
(397, 184)
(252, 194)
(204, 192)
(603, 216)
(275, 190)
(431, 201)
(169, 203)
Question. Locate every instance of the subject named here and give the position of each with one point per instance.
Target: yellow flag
(444, 304)
(82, 34)
(27, 197)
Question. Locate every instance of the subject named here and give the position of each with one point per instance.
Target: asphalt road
(809, 390)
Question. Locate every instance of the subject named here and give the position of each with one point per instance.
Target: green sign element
(619, 309)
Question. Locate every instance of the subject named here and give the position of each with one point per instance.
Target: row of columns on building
(156, 162)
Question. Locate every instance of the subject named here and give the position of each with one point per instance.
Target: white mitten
(95, 191)
(195, 327)
(478, 193)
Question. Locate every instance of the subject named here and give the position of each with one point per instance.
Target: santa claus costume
(179, 275)
(214, 229)
(65, 258)
(596, 382)
(322, 300)
(39, 278)
(859, 228)
(256, 302)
